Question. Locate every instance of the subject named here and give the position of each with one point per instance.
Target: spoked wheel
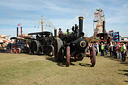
(67, 56)
(12, 50)
(18, 50)
(58, 51)
(93, 57)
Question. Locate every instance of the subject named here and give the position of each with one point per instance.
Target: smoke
(49, 23)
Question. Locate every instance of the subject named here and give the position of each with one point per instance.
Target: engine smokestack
(55, 32)
(17, 31)
(21, 32)
(80, 25)
(103, 26)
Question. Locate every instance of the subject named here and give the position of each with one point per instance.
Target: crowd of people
(119, 49)
(116, 50)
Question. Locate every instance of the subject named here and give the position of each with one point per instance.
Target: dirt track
(25, 69)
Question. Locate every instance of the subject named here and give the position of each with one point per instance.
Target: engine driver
(60, 33)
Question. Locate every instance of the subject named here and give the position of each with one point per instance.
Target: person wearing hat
(67, 32)
(60, 33)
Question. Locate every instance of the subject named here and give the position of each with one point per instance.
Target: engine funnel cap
(80, 17)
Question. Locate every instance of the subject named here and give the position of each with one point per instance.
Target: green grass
(24, 69)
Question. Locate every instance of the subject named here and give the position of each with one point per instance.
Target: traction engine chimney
(80, 25)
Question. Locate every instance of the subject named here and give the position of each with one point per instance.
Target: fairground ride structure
(99, 25)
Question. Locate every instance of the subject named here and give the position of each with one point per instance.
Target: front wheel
(67, 56)
(18, 50)
(50, 50)
(12, 50)
(93, 57)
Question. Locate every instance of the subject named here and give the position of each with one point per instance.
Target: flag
(19, 24)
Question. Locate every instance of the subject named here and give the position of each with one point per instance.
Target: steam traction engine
(19, 45)
(43, 43)
(73, 45)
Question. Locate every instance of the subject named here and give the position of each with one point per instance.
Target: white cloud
(62, 14)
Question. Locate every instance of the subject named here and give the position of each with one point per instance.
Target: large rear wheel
(35, 47)
(67, 56)
(58, 51)
(93, 57)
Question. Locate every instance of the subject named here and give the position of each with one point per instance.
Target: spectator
(126, 48)
(123, 50)
(111, 49)
(106, 48)
(119, 51)
(99, 47)
(102, 49)
(115, 50)
(95, 45)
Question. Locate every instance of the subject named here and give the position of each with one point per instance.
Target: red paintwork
(21, 32)
(17, 50)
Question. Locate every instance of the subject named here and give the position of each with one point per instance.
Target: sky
(61, 14)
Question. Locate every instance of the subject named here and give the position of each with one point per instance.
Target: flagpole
(42, 23)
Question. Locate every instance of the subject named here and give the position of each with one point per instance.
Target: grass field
(25, 69)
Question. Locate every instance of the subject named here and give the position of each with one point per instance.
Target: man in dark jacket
(114, 50)
(106, 48)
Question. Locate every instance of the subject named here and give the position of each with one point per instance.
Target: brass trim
(81, 17)
(83, 45)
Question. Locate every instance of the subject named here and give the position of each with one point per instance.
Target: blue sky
(61, 14)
